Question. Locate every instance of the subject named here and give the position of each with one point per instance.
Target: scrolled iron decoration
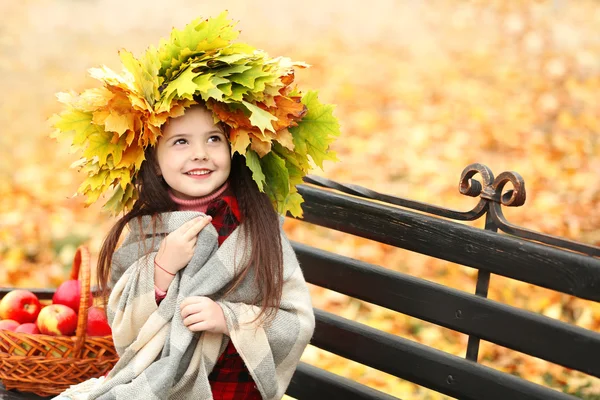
(471, 187)
(512, 198)
(491, 188)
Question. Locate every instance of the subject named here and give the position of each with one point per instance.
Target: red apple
(57, 319)
(23, 348)
(97, 323)
(20, 305)
(8, 325)
(29, 327)
(69, 294)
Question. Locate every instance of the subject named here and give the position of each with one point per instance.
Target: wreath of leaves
(280, 131)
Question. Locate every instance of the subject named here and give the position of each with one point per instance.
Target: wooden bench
(527, 256)
(551, 262)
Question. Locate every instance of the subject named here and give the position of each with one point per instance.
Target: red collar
(232, 202)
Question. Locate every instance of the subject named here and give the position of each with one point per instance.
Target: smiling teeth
(198, 172)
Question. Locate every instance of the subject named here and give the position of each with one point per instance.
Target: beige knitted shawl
(162, 359)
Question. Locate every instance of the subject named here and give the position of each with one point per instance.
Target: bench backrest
(547, 261)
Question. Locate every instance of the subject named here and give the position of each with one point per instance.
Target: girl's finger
(191, 309)
(193, 319)
(201, 326)
(186, 226)
(192, 300)
(199, 224)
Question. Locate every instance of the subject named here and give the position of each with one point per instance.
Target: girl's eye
(214, 138)
(180, 141)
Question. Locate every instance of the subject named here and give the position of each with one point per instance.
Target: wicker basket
(47, 365)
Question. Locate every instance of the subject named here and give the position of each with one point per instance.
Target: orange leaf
(261, 148)
(288, 111)
(285, 138)
(240, 139)
(235, 119)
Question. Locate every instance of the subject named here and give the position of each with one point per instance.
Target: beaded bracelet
(170, 273)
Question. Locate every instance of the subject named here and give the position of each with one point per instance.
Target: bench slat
(519, 259)
(425, 366)
(42, 294)
(507, 326)
(311, 383)
(15, 395)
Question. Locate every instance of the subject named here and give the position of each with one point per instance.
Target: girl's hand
(201, 314)
(177, 248)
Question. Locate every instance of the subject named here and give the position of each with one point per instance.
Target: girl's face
(193, 154)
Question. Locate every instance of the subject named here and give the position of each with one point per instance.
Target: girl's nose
(199, 157)
(199, 153)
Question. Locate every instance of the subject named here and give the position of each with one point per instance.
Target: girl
(202, 141)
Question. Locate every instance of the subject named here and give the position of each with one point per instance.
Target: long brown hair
(259, 222)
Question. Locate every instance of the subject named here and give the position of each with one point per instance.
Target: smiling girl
(202, 143)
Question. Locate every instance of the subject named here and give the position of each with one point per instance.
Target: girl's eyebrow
(177, 135)
(215, 131)
(185, 134)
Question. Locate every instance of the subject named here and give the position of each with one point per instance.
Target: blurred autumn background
(423, 88)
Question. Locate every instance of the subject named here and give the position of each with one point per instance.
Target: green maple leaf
(234, 57)
(236, 69)
(253, 162)
(204, 83)
(277, 179)
(293, 205)
(196, 64)
(317, 130)
(297, 166)
(261, 83)
(215, 92)
(197, 36)
(225, 88)
(259, 117)
(184, 85)
(217, 28)
(237, 92)
(248, 77)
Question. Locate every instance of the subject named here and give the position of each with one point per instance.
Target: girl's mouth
(199, 173)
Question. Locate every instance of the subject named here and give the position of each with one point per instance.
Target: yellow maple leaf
(100, 146)
(73, 124)
(121, 176)
(94, 182)
(133, 155)
(119, 123)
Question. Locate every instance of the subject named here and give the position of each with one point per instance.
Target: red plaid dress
(229, 379)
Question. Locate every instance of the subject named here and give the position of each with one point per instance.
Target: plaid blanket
(162, 359)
